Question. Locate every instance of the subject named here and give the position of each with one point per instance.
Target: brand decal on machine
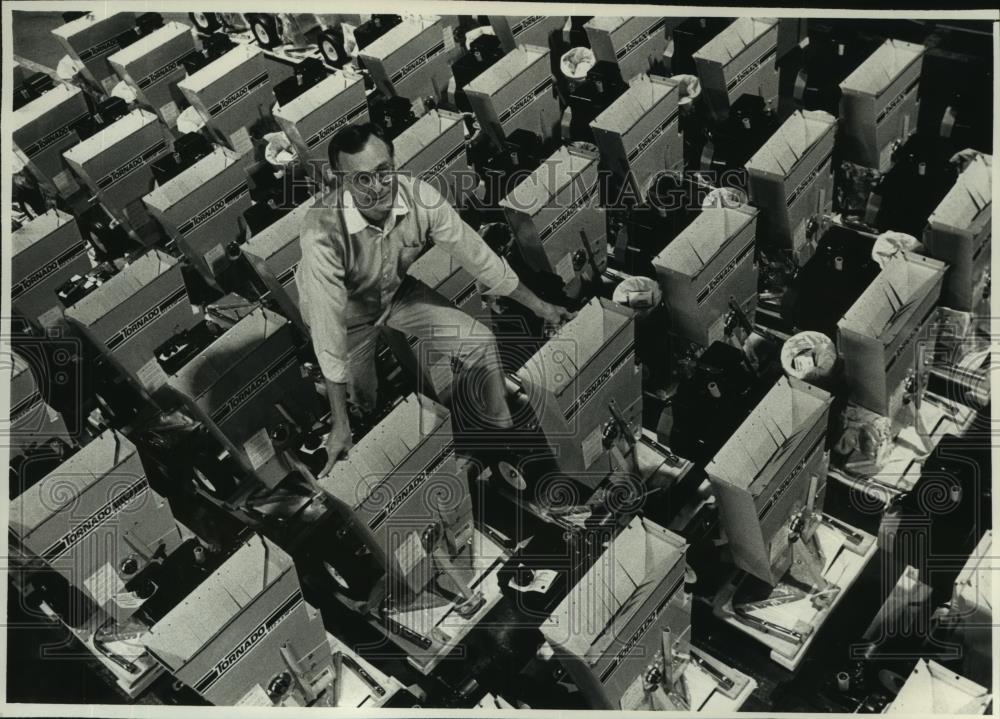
(443, 163)
(807, 180)
(639, 39)
(526, 100)
(159, 74)
(887, 110)
(237, 95)
(41, 143)
(649, 139)
(462, 297)
(405, 492)
(153, 313)
(42, 272)
(640, 631)
(288, 275)
(725, 272)
(214, 209)
(249, 642)
(254, 386)
(787, 482)
(566, 214)
(526, 22)
(750, 69)
(416, 63)
(82, 530)
(120, 173)
(99, 50)
(324, 132)
(601, 380)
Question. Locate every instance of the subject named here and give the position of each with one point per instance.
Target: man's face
(369, 175)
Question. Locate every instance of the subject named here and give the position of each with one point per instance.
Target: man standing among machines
(357, 244)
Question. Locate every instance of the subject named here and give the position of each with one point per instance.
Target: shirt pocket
(411, 243)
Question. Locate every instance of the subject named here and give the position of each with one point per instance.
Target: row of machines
(168, 417)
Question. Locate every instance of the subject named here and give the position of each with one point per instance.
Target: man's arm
(463, 243)
(339, 440)
(323, 302)
(552, 314)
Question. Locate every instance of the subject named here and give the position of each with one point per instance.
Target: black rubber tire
(331, 47)
(265, 30)
(205, 22)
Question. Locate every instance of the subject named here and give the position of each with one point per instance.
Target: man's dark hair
(352, 139)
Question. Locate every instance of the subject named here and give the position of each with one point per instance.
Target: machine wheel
(265, 30)
(510, 474)
(331, 47)
(205, 22)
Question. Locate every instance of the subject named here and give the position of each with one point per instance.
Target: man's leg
(478, 392)
(362, 383)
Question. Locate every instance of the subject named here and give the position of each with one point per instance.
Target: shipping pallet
(707, 693)
(847, 552)
(902, 468)
(132, 684)
(442, 625)
(358, 682)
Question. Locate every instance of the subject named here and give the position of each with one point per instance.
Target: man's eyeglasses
(370, 179)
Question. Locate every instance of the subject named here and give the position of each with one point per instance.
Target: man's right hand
(337, 444)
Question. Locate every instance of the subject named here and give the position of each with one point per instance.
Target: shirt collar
(356, 222)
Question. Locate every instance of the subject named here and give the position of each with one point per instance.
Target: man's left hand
(554, 315)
